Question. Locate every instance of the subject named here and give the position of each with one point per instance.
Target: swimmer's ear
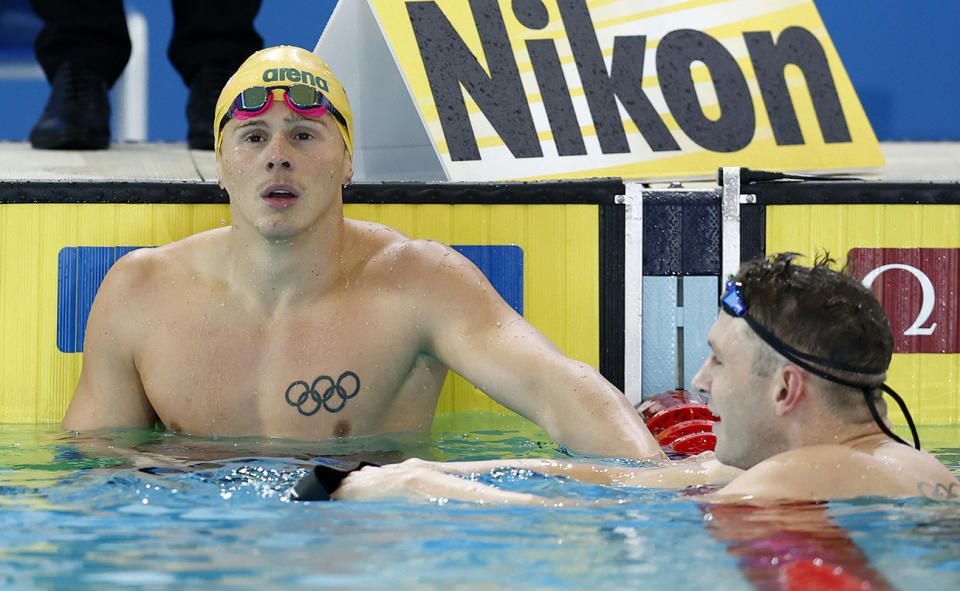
(220, 176)
(792, 387)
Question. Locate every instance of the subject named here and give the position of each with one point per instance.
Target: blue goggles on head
(733, 304)
(731, 301)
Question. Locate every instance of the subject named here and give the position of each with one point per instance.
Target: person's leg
(82, 48)
(209, 42)
(89, 33)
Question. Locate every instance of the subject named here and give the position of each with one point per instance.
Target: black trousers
(93, 33)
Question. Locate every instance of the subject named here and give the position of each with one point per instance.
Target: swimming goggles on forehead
(301, 98)
(733, 304)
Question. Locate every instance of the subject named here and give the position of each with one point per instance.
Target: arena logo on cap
(294, 75)
(919, 288)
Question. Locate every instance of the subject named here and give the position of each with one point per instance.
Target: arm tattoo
(308, 399)
(939, 492)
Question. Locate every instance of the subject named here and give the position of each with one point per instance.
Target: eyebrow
(291, 118)
(246, 123)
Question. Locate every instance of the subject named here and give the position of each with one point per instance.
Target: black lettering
(801, 48)
(624, 81)
(531, 13)
(734, 129)
(556, 97)
(551, 81)
(452, 68)
(627, 77)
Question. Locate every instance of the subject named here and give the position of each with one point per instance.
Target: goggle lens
(251, 99)
(732, 301)
(305, 97)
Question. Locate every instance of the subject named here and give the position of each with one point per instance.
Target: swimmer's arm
(701, 469)
(475, 333)
(109, 392)
(419, 479)
(592, 473)
(418, 482)
(695, 471)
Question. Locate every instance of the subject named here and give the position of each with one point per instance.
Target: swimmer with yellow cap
(291, 74)
(300, 323)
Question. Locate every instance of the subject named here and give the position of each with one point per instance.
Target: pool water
(213, 514)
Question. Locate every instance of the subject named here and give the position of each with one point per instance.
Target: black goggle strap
(903, 409)
(801, 359)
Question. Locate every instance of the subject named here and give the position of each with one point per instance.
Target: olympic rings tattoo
(347, 386)
(939, 492)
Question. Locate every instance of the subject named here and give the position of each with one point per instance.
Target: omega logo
(929, 296)
(919, 289)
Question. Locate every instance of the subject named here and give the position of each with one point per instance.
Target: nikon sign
(534, 89)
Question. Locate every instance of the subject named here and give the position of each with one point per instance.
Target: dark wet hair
(822, 312)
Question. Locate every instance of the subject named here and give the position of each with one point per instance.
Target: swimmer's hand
(414, 480)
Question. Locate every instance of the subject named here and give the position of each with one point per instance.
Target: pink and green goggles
(301, 98)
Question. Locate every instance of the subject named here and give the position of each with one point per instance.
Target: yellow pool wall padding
(561, 288)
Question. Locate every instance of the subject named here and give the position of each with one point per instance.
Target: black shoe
(204, 91)
(77, 114)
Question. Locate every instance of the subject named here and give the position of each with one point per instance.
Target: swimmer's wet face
(283, 130)
(283, 171)
(747, 431)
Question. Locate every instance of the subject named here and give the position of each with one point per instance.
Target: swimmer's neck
(860, 438)
(275, 270)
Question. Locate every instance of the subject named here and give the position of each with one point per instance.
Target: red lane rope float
(680, 421)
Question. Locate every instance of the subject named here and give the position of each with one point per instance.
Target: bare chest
(329, 371)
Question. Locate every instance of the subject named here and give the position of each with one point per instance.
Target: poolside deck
(913, 161)
(122, 162)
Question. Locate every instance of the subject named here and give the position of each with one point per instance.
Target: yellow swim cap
(282, 66)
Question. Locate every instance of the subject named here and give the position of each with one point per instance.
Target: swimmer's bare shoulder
(388, 248)
(424, 271)
(133, 296)
(824, 472)
(152, 281)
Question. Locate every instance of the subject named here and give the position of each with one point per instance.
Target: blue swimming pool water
(75, 515)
